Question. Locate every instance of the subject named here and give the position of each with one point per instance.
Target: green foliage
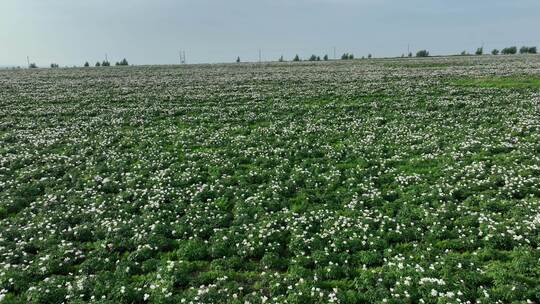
(192, 250)
(509, 82)
(347, 56)
(509, 50)
(479, 51)
(124, 62)
(527, 50)
(422, 53)
(272, 261)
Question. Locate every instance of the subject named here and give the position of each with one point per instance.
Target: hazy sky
(70, 32)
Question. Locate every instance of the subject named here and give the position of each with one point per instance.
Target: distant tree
(527, 50)
(86, 64)
(495, 52)
(464, 53)
(281, 59)
(32, 66)
(422, 53)
(325, 58)
(402, 55)
(347, 56)
(98, 64)
(105, 63)
(54, 66)
(313, 58)
(238, 59)
(296, 58)
(318, 58)
(479, 51)
(369, 56)
(410, 54)
(123, 62)
(509, 50)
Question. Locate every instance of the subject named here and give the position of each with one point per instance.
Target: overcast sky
(70, 32)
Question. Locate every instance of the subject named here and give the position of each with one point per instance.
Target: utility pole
(106, 58)
(182, 57)
(28, 61)
(335, 53)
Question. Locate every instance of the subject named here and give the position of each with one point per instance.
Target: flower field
(365, 181)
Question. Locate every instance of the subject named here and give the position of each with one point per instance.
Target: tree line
(104, 63)
(421, 53)
(346, 56)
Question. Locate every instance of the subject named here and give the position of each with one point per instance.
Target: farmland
(363, 181)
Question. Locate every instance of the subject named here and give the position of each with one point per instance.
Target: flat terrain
(365, 181)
